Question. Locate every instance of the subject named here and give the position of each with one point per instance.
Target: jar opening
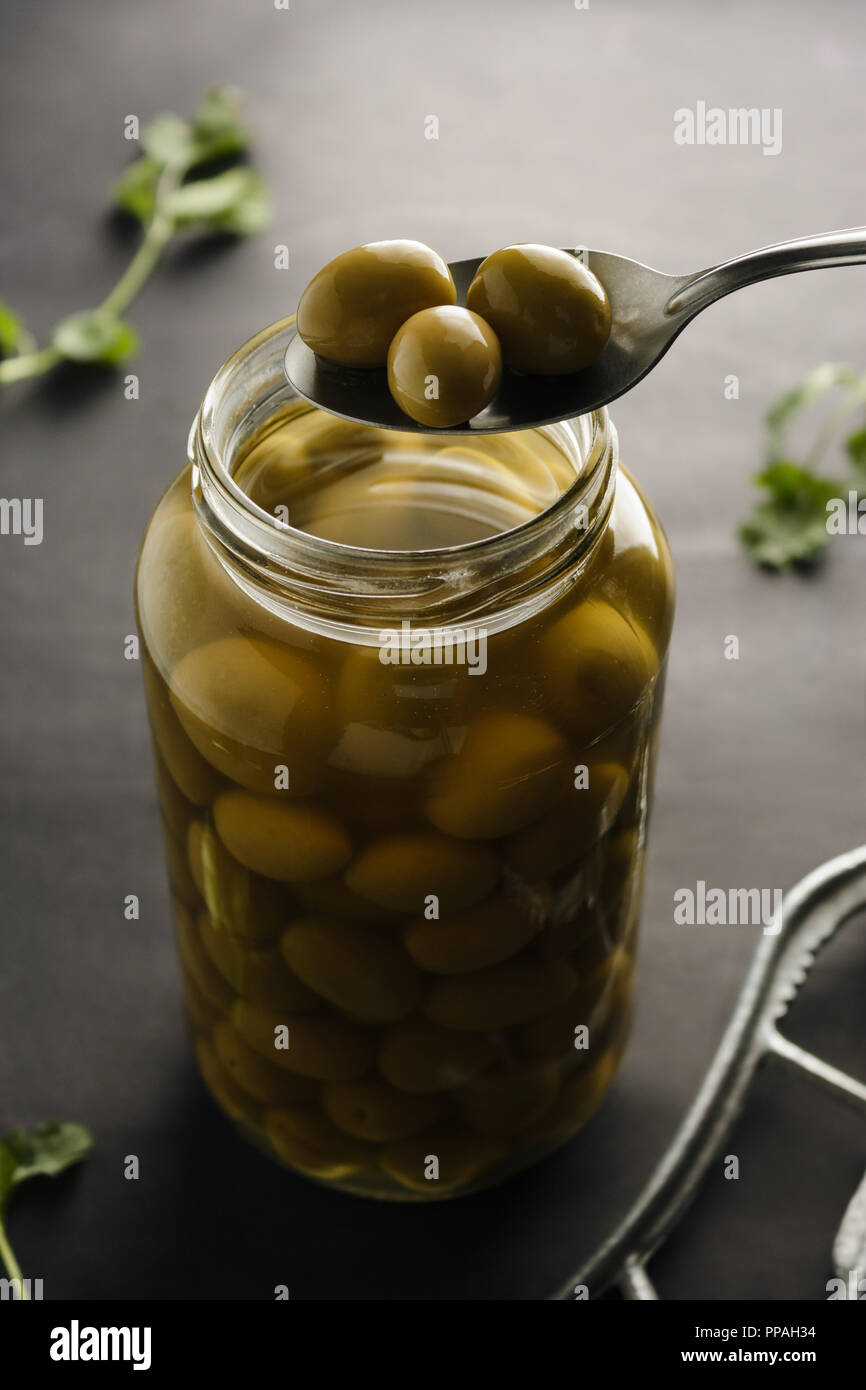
(308, 571)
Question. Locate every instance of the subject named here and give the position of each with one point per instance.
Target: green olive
(444, 365)
(249, 705)
(201, 1012)
(401, 872)
(177, 813)
(554, 1034)
(579, 1096)
(261, 1079)
(440, 1160)
(197, 963)
(510, 769)
(355, 967)
(238, 900)
(272, 473)
(324, 1047)
(571, 827)
(192, 774)
(371, 1109)
(516, 991)
(237, 1104)
(472, 939)
(258, 973)
(351, 310)
(550, 312)
(331, 897)
(419, 1056)
(291, 841)
(599, 666)
(308, 1141)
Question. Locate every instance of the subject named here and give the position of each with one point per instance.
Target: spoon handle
(847, 247)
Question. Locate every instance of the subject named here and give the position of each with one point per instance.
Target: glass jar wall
(404, 697)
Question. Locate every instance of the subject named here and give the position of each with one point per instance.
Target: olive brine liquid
(405, 889)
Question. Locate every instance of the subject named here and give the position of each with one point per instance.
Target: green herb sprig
(44, 1152)
(789, 526)
(170, 188)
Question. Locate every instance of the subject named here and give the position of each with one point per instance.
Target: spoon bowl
(649, 309)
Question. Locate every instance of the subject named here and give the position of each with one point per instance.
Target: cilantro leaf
(171, 186)
(250, 214)
(217, 129)
(214, 132)
(135, 190)
(234, 201)
(168, 140)
(95, 335)
(8, 1169)
(855, 448)
(11, 330)
(45, 1151)
(818, 382)
(790, 526)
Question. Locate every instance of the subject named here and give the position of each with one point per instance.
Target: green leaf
(855, 448)
(95, 335)
(168, 140)
(8, 1168)
(234, 201)
(253, 213)
(204, 199)
(135, 190)
(790, 527)
(152, 189)
(217, 129)
(11, 330)
(818, 382)
(45, 1151)
(789, 482)
(214, 132)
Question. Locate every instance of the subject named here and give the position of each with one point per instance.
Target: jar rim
(247, 389)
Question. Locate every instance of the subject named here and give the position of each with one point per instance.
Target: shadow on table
(227, 1223)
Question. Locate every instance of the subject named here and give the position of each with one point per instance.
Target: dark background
(555, 126)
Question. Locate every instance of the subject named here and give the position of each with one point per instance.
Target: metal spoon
(649, 310)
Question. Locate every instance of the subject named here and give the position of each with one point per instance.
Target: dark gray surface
(555, 125)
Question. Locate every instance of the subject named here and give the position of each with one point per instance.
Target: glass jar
(404, 794)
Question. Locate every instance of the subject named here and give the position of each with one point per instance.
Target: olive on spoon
(648, 309)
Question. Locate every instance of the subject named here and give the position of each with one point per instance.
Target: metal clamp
(811, 914)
